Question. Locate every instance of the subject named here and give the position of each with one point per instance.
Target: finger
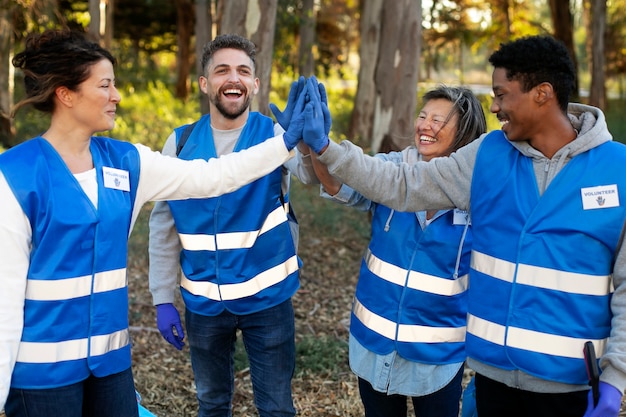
(274, 109)
(179, 331)
(301, 84)
(323, 95)
(313, 89)
(293, 93)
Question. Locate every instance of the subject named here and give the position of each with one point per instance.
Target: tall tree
(597, 91)
(306, 63)
(7, 130)
(386, 95)
(563, 24)
(101, 21)
(203, 30)
(185, 15)
(257, 24)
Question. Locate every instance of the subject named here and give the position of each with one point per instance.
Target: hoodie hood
(590, 124)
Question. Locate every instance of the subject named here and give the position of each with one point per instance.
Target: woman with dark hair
(69, 202)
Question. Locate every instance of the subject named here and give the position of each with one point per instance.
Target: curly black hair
(534, 60)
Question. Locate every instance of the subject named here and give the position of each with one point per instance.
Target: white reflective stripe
(487, 330)
(248, 288)
(110, 280)
(541, 277)
(233, 240)
(108, 342)
(493, 267)
(406, 332)
(197, 242)
(531, 340)
(425, 334)
(374, 322)
(68, 288)
(417, 280)
(32, 352)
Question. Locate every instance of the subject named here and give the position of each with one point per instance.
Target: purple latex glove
(168, 319)
(608, 404)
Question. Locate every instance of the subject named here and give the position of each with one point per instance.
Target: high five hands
(306, 115)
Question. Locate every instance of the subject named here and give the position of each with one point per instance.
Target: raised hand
(168, 319)
(284, 118)
(314, 132)
(324, 99)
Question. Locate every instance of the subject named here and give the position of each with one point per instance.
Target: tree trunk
(184, 18)
(563, 24)
(257, 24)
(94, 20)
(387, 91)
(7, 131)
(597, 91)
(203, 29)
(306, 63)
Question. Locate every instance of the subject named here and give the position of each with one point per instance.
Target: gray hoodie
(445, 183)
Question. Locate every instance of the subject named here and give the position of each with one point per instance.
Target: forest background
(376, 57)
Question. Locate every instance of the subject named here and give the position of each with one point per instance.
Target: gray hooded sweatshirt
(445, 183)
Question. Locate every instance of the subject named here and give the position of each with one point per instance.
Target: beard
(230, 110)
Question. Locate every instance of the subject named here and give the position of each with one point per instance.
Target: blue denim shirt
(393, 374)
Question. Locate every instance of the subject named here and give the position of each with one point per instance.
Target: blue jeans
(268, 337)
(442, 403)
(113, 395)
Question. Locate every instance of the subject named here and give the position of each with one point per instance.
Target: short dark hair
(533, 60)
(228, 41)
(56, 58)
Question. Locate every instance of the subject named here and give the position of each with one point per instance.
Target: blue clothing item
(443, 403)
(268, 337)
(545, 299)
(243, 261)
(411, 296)
(88, 270)
(109, 396)
(392, 374)
(468, 404)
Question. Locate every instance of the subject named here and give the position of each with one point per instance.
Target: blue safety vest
(238, 252)
(541, 277)
(76, 307)
(412, 290)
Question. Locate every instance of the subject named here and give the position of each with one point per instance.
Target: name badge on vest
(117, 179)
(603, 196)
(461, 217)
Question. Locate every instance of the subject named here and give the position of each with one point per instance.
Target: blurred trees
(329, 38)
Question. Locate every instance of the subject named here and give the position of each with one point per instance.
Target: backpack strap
(183, 137)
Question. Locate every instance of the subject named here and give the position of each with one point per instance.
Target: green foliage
(615, 119)
(324, 216)
(149, 116)
(315, 355)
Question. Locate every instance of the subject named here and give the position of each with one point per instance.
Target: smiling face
(435, 128)
(230, 84)
(516, 110)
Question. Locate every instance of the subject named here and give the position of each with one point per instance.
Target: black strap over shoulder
(183, 137)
